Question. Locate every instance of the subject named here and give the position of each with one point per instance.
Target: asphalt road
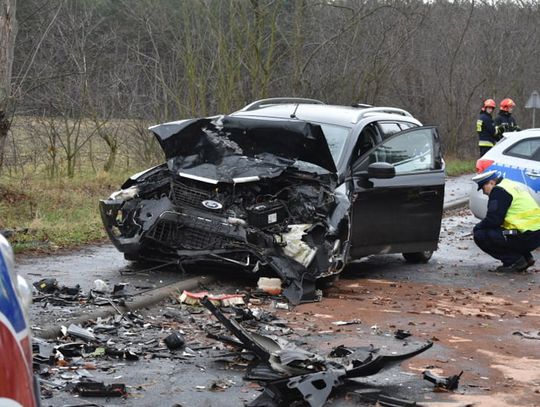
(469, 313)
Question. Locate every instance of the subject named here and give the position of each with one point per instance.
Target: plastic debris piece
(448, 383)
(528, 335)
(271, 286)
(70, 290)
(375, 396)
(46, 285)
(401, 334)
(226, 300)
(351, 322)
(79, 332)
(101, 286)
(281, 305)
(98, 389)
(175, 341)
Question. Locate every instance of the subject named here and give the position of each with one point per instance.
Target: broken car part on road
(447, 383)
(294, 374)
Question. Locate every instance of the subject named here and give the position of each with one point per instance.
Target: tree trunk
(8, 31)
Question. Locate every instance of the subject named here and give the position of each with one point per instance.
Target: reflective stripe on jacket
(485, 127)
(524, 213)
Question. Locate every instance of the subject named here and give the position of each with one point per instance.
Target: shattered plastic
(303, 375)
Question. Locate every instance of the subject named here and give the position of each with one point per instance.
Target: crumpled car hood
(291, 139)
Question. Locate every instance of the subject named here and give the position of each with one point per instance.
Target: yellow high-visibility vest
(524, 213)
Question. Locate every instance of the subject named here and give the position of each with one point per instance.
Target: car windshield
(335, 137)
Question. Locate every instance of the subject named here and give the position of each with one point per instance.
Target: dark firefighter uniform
(505, 122)
(511, 228)
(487, 133)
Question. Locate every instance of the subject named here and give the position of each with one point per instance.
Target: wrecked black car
(293, 187)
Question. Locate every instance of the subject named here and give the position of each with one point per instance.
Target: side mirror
(381, 170)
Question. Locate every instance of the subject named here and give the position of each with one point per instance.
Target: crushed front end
(260, 212)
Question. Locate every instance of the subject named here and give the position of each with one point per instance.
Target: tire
(327, 282)
(132, 256)
(418, 257)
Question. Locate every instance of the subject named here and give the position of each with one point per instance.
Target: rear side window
(406, 125)
(390, 128)
(528, 149)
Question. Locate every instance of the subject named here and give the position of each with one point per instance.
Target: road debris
(351, 322)
(79, 332)
(402, 334)
(293, 374)
(190, 298)
(380, 399)
(101, 286)
(175, 341)
(98, 389)
(271, 286)
(47, 285)
(528, 334)
(440, 382)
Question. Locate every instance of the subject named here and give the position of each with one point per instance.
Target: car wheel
(132, 256)
(327, 282)
(418, 257)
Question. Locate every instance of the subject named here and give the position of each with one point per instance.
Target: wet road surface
(453, 300)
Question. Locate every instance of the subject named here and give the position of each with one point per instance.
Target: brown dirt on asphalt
(472, 330)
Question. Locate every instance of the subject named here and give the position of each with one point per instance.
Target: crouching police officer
(511, 228)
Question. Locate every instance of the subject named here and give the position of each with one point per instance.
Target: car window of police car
(409, 152)
(528, 149)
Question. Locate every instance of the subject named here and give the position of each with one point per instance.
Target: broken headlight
(125, 194)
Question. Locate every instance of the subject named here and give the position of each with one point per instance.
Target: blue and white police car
(17, 386)
(516, 157)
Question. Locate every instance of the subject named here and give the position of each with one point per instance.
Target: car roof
(323, 113)
(513, 137)
(524, 133)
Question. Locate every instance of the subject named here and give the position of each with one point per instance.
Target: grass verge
(44, 215)
(455, 167)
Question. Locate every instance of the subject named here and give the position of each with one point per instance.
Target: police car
(17, 386)
(516, 157)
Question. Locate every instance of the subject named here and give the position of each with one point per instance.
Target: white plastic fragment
(271, 286)
(295, 247)
(101, 286)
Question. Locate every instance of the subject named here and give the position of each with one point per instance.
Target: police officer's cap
(481, 179)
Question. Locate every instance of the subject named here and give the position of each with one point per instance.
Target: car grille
(184, 195)
(177, 236)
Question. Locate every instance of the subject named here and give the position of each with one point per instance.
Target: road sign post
(533, 103)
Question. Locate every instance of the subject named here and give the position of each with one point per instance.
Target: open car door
(398, 195)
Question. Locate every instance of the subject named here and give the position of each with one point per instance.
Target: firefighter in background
(511, 229)
(485, 127)
(505, 122)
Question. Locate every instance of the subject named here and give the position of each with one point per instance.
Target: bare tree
(8, 32)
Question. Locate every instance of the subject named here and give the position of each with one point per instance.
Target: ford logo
(212, 204)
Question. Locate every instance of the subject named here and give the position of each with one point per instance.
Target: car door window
(410, 151)
(368, 138)
(528, 149)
